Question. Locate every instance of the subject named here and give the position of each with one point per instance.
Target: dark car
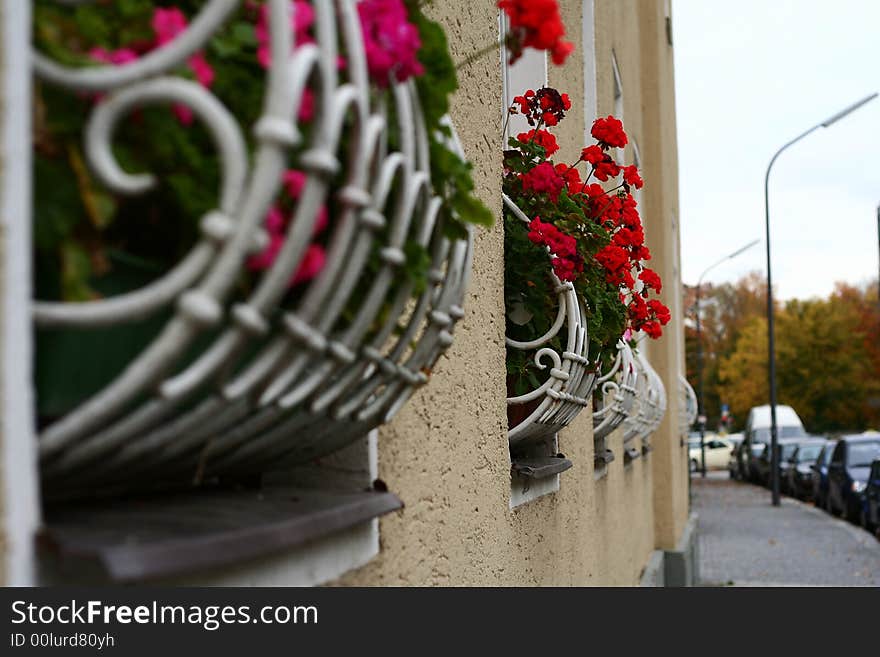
(870, 516)
(848, 473)
(798, 479)
(786, 449)
(754, 443)
(751, 454)
(820, 474)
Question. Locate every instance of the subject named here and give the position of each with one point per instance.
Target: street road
(744, 541)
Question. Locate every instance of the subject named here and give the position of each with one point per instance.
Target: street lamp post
(771, 344)
(701, 407)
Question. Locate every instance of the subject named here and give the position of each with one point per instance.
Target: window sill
(149, 538)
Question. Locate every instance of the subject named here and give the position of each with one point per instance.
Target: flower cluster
(391, 42)
(566, 261)
(276, 224)
(535, 24)
(609, 132)
(546, 106)
(543, 179)
(582, 222)
(648, 316)
(167, 24)
(542, 138)
(604, 166)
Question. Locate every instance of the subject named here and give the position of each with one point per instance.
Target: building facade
(466, 520)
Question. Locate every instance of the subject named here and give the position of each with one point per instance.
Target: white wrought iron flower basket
(649, 409)
(615, 392)
(688, 408)
(274, 385)
(572, 376)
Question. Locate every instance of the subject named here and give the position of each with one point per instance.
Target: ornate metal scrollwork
(568, 389)
(687, 404)
(650, 406)
(616, 392)
(274, 385)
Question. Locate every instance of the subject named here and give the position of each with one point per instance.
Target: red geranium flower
(651, 280)
(652, 329)
(543, 179)
(613, 258)
(571, 177)
(592, 154)
(606, 169)
(609, 131)
(631, 176)
(566, 262)
(535, 24)
(661, 312)
(542, 138)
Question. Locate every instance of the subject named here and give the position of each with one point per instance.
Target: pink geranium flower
(115, 57)
(301, 21)
(391, 42)
(312, 263)
(168, 24)
(276, 224)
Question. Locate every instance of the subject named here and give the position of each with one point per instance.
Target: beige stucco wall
(446, 452)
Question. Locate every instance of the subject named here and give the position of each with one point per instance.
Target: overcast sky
(751, 75)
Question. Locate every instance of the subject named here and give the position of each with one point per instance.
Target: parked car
(718, 452)
(693, 443)
(764, 467)
(759, 467)
(787, 449)
(870, 516)
(735, 439)
(757, 432)
(798, 477)
(751, 453)
(820, 474)
(848, 473)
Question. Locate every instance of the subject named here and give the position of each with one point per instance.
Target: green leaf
(75, 272)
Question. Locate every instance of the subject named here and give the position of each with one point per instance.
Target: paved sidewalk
(744, 541)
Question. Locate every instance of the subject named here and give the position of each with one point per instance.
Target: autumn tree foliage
(726, 310)
(827, 355)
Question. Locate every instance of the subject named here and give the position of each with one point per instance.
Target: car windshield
(808, 453)
(788, 451)
(861, 454)
(763, 435)
(757, 449)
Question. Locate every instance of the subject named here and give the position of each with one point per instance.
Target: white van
(757, 434)
(788, 424)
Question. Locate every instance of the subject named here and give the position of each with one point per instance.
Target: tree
(823, 367)
(724, 311)
(742, 374)
(827, 362)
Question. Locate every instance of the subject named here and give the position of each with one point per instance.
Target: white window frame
(18, 460)
(529, 72)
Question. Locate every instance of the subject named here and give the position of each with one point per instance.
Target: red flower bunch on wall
(593, 233)
(566, 261)
(546, 106)
(535, 24)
